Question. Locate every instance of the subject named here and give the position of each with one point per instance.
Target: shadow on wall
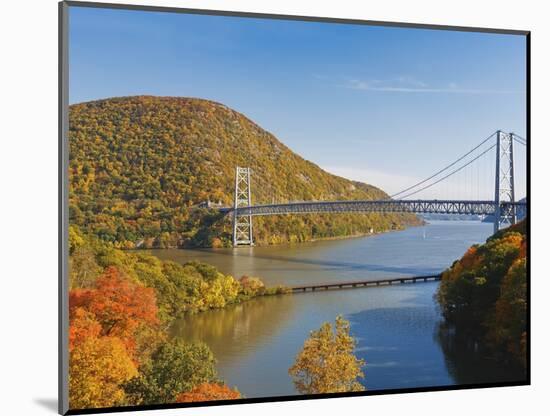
(48, 404)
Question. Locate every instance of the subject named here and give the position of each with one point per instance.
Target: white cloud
(406, 84)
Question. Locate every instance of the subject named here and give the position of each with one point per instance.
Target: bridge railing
(471, 207)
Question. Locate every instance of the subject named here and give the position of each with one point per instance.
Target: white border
(29, 204)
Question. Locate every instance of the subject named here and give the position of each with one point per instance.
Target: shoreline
(315, 240)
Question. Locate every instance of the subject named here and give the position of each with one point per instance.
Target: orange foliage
(470, 258)
(208, 391)
(513, 239)
(118, 304)
(83, 326)
(79, 298)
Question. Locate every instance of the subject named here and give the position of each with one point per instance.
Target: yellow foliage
(97, 368)
(75, 240)
(326, 363)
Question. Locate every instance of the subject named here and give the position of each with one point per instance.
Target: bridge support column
(504, 181)
(242, 224)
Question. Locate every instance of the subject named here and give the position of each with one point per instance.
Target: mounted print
(265, 208)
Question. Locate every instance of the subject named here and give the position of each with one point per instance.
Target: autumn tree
(327, 363)
(75, 239)
(251, 286)
(471, 286)
(507, 329)
(207, 392)
(176, 367)
(83, 326)
(484, 294)
(119, 305)
(97, 369)
(119, 353)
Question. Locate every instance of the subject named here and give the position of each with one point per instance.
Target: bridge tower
(242, 225)
(504, 181)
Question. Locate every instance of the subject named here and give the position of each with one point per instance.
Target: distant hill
(138, 165)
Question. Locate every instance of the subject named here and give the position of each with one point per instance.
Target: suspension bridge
(502, 206)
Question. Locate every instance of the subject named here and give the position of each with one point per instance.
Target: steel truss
(242, 224)
(482, 208)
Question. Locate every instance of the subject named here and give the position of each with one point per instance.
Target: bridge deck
(472, 207)
(365, 283)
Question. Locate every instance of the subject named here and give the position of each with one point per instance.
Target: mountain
(140, 165)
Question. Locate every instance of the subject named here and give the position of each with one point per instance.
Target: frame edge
(63, 218)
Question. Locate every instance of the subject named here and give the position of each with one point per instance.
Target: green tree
(176, 367)
(327, 363)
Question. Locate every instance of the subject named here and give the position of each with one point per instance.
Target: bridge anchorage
(503, 208)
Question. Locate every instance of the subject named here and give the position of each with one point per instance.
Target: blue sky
(384, 105)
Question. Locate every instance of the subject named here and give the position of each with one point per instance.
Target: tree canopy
(326, 363)
(485, 293)
(175, 368)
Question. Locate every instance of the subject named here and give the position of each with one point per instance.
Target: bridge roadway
(365, 283)
(419, 206)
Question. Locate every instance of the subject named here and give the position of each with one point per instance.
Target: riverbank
(255, 342)
(140, 246)
(222, 240)
(336, 260)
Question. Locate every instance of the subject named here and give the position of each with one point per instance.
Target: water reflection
(397, 327)
(469, 364)
(256, 342)
(233, 331)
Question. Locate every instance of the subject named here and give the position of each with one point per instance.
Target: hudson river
(397, 327)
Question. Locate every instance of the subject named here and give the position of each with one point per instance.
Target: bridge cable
(519, 137)
(520, 141)
(450, 174)
(445, 168)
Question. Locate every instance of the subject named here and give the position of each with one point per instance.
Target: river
(397, 327)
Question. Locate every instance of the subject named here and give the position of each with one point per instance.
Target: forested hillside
(139, 166)
(484, 294)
